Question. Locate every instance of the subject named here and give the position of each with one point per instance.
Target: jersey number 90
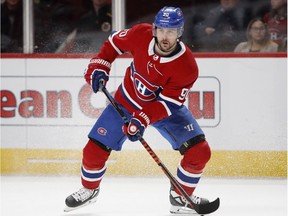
(184, 93)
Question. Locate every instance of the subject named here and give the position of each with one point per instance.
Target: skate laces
(195, 199)
(82, 194)
(180, 200)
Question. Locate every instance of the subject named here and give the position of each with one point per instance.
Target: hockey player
(152, 93)
(276, 20)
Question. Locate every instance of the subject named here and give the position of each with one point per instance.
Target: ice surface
(139, 196)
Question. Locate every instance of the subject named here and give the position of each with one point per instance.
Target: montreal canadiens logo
(144, 90)
(102, 131)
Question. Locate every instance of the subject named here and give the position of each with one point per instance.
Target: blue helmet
(169, 17)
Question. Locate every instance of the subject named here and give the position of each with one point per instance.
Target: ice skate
(179, 205)
(81, 198)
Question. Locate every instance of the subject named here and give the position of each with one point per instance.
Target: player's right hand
(98, 75)
(98, 69)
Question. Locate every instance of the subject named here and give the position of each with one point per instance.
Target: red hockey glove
(98, 69)
(137, 125)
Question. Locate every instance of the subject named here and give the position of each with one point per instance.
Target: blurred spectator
(223, 28)
(54, 20)
(11, 26)
(259, 7)
(93, 28)
(276, 20)
(258, 38)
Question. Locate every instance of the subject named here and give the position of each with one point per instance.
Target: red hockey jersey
(158, 85)
(277, 26)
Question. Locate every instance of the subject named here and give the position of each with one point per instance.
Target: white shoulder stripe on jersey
(112, 43)
(170, 100)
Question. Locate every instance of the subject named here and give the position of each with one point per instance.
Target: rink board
(239, 102)
(140, 163)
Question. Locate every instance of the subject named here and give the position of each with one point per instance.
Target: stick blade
(207, 208)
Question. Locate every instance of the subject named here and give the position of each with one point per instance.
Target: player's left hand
(136, 126)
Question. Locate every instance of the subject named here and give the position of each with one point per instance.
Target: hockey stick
(199, 208)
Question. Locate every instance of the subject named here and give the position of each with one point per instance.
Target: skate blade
(68, 209)
(182, 210)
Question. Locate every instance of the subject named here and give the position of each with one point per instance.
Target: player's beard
(166, 47)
